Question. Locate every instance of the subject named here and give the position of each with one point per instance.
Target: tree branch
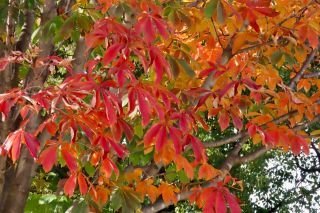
(303, 68)
(253, 155)
(214, 144)
(79, 56)
(311, 75)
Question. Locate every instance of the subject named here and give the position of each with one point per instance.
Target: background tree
(141, 104)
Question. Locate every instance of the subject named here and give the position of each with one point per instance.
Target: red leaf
(112, 53)
(15, 150)
(266, 11)
(51, 127)
(223, 120)
(144, 109)
(252, 130)
(220, 203)
(149, 30)
(162, 138)
(70, 185)
(198, 148)
(161, 28)
(151, 134)
(108, 167)
(48, 158)
(120, 150)
(82, 184)
(32, 143)
(176, 136)
(128, 130)
(70, 160)
(110, 111)
(12, 145)
(237, 122)
(233, 204)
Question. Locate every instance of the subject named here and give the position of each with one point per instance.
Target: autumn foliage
(157, 71)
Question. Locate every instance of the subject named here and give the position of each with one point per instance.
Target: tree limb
(253, 155)
(214, 144)
(305, 65)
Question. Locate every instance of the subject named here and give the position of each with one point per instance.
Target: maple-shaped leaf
(168, 193)
(183, 163)
(70, 185)
(100, 195)
(207, 172)
(83, 186)
(146, 187)
(48, 158)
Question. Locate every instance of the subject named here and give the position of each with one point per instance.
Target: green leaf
(290, 60)
(127, 200)
(89, 169)
(174, 66)
(171, 173)
(138, 130)
(116, 200)
(187, 68)
(210, 7)
(276, 57)
(45, 199)
(182, 176)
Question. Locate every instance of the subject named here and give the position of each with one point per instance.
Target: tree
(126, 114)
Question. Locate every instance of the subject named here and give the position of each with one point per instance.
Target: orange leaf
(207, 172)
(146, 187)
(168, 193)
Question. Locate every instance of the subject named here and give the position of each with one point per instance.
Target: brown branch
(305, 65)
(312, 75)
(79, 56)
(233, 155)
(253, 155)
(24, 40)
(214, 144)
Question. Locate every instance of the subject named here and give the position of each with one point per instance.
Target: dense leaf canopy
(137, 105)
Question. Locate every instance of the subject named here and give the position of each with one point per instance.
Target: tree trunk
(18, 177)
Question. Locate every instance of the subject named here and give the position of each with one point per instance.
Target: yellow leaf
(315, 132)
(242, 39)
